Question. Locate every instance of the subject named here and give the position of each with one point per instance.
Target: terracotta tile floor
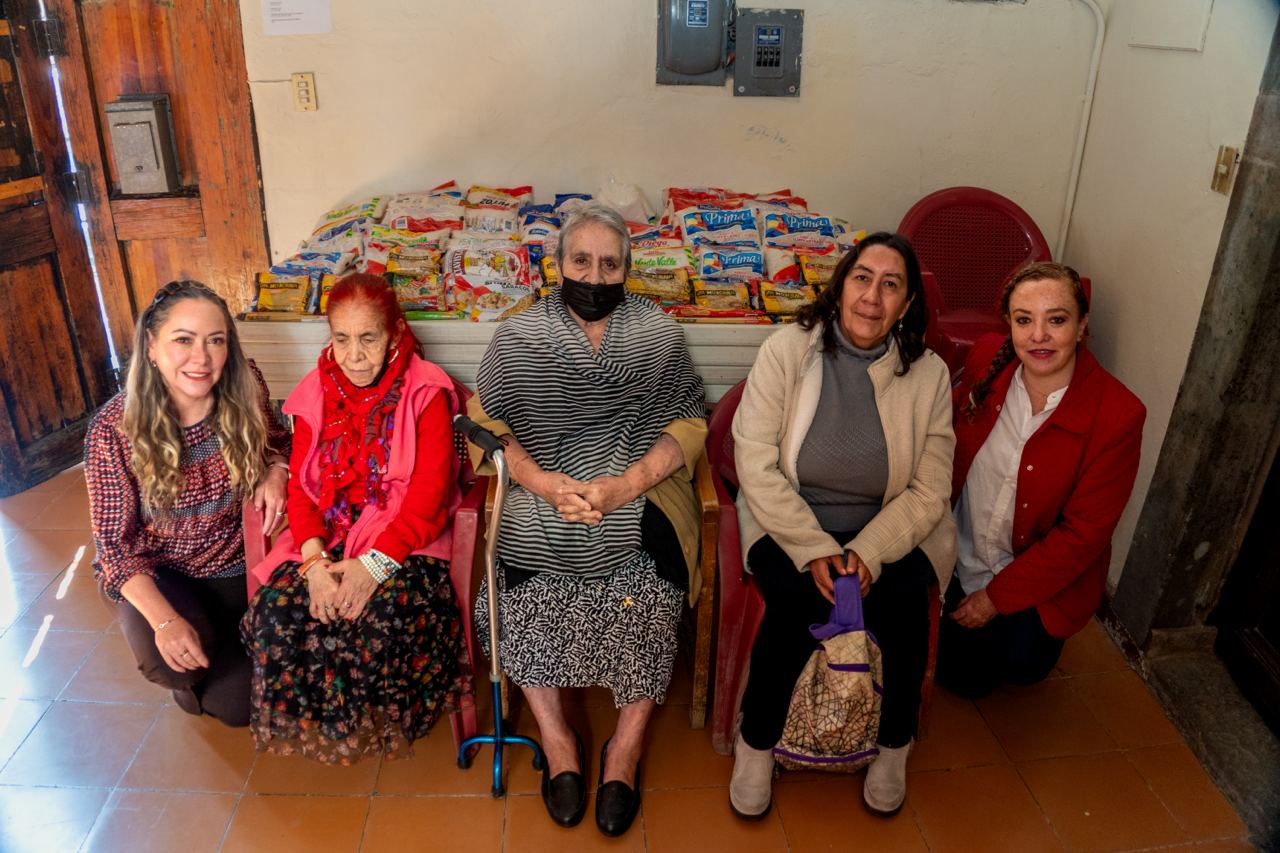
(93, 758)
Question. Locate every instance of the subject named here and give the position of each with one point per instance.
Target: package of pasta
(779, 298)
(699, 314)
(509, 263)
(550, 272)
(492, 299)
(664, 286)
(816, 268)
(282, 293)
(326, 284)
(739, 262)
(381, 242)
(725, 227)
(667, 258)
(421, 293)
(721, 293)
(415, 261)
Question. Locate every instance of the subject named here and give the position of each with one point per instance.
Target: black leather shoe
(565, 796)
(617, 803)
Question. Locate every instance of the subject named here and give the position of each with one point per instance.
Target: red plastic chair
(466, 524)
(972, 240)
(741, 605)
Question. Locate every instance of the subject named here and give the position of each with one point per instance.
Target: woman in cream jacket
(843, 446)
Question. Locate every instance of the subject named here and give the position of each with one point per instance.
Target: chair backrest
(973, 240)
(466, 474)
(720, 435)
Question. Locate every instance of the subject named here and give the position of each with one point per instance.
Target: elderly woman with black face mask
(594, 395)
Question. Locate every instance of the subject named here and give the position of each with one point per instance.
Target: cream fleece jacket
(777, 408)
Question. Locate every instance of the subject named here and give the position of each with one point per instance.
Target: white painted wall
(1146, 225)
(899, 98)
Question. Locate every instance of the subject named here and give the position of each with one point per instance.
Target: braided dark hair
(1006, 354)
(908, 332)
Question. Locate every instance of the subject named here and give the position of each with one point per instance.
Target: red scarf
(355, 435)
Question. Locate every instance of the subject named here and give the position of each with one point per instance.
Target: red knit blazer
(1075, 477)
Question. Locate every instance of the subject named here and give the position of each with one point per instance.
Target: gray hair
(603, 214)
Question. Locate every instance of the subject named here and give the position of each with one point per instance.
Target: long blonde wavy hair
(151, 420)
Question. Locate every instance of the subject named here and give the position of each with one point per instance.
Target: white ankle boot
(886, 784)
(751, 787)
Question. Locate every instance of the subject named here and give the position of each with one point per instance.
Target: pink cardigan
(422, 382)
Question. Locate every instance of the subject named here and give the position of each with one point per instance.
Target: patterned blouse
(201, 538)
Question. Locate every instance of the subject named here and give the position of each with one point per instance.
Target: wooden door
(55, 362)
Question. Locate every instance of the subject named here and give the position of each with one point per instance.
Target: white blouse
(984, 515)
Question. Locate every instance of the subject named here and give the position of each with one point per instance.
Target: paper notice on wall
(296, 17)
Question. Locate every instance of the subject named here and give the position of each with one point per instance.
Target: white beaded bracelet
(379, 565)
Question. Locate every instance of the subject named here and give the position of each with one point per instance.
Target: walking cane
(493, 451)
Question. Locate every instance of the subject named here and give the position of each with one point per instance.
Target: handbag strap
(846, 614)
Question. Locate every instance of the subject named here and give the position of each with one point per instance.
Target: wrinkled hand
(322, 589)
(975, 610)
(564, 493)
(354, 590)
(605, 494)
(269, 498)
(179, 645)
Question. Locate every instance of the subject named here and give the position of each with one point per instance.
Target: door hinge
(75, 185)
(48, 35)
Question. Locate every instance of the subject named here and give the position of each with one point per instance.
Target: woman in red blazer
(1047, 449)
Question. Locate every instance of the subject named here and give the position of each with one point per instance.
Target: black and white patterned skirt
(617, 632)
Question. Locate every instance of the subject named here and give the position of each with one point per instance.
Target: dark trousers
(896, 612)
(214, 607)
(1012, 648)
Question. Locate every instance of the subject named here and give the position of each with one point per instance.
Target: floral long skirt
(341, 692)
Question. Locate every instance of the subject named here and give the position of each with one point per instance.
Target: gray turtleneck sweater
(843, 464)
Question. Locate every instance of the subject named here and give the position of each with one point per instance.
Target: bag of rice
(495, 210)
(736, 262)
(709, 224)
(480, 240)
(340, 229)
(790, 229)
(780, 264)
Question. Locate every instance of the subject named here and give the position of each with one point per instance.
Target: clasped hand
(850, 563)
(339, 590)
(585, 502)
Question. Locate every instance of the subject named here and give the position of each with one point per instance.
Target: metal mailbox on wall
(142, 140)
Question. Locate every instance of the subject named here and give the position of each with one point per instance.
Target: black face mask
(592, 302)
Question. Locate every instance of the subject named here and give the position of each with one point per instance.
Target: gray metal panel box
(141, 128)
(769, 44)
(692, 41)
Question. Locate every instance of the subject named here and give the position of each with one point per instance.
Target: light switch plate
(303, 85)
